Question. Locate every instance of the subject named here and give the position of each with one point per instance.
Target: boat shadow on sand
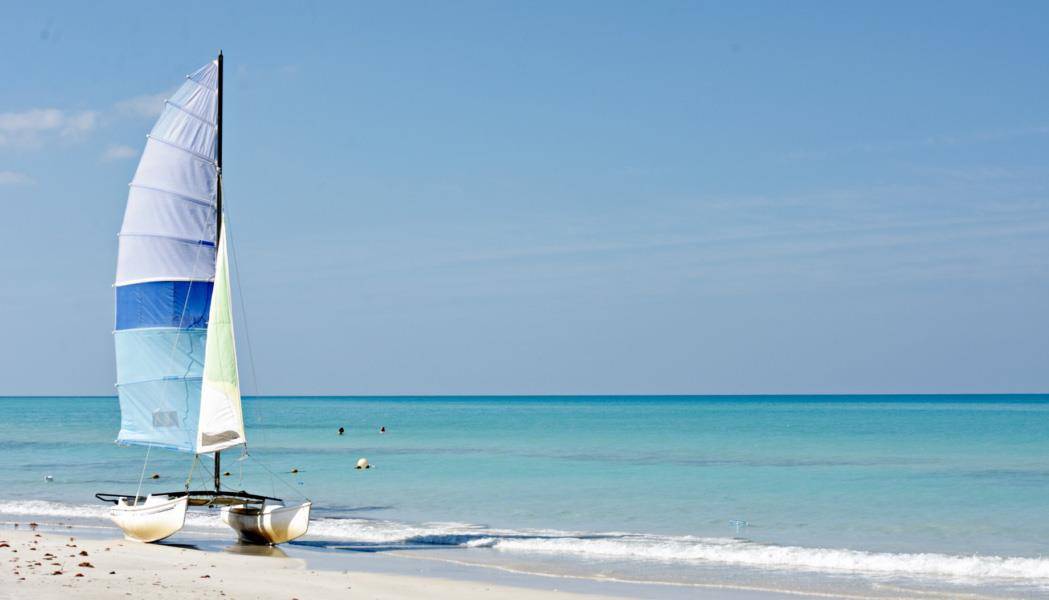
(236, 548)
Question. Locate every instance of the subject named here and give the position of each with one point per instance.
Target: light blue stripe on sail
(158, 382)
(161, 353)
(160, 413)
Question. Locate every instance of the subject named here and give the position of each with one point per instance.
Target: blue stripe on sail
(160, 413)
(182, 304)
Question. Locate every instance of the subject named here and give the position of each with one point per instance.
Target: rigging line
(182, 319)
(243, 310)
(204, 467)
(142, 475)
(231, 248)
(192, 467)
(246, 329)
(185, 303)
(279, 478)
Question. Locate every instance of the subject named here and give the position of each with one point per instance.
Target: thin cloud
(32, 127)
(14, 178)
(36, 127)
(120, 152)
(146, 106)
(971, 137)
(946, 228)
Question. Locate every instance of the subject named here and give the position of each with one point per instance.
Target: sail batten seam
(203, 85)
(194, 153)
(207, 243)
(190, 113)
(180, 195)
(162, 278)
(155, 379)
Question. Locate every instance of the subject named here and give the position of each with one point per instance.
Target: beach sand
(46, 565)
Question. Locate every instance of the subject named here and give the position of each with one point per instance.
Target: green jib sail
(221, 420)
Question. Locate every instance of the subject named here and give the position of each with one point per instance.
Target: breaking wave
(362, 533)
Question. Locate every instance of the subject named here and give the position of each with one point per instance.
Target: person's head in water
(382, 429)
(341, 431)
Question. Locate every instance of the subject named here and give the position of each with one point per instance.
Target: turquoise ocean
(867, 495)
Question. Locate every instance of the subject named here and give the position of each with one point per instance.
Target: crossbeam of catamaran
(177, 376)
(196, 497)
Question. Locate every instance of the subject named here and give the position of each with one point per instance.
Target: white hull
(153, 520)
(269, 524)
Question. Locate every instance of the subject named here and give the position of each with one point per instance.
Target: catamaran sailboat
(177, 376)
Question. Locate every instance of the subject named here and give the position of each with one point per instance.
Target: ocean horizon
(931, 493)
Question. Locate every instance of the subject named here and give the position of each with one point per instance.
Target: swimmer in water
(382, 429)
(341, 431)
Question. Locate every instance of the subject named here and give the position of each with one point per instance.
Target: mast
(218, 220)
(218, 157)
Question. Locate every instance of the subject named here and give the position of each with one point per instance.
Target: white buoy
(362, 463)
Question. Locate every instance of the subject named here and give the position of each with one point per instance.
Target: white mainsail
(221, 423)
(165, 268)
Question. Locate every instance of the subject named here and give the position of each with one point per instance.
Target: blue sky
(569, 197)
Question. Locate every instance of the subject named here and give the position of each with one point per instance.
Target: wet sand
(49, 565)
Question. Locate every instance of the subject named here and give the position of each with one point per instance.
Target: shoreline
(461, 570)
(45, 562)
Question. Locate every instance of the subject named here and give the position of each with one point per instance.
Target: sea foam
(618, 546)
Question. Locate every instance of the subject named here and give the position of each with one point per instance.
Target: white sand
(52, 566)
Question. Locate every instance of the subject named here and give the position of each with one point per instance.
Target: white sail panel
(177, 170)
(183, 130)
(197, 99)
(153, 212)
(169, 224)
(144, 258)
(207, 76)
(221, 422)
